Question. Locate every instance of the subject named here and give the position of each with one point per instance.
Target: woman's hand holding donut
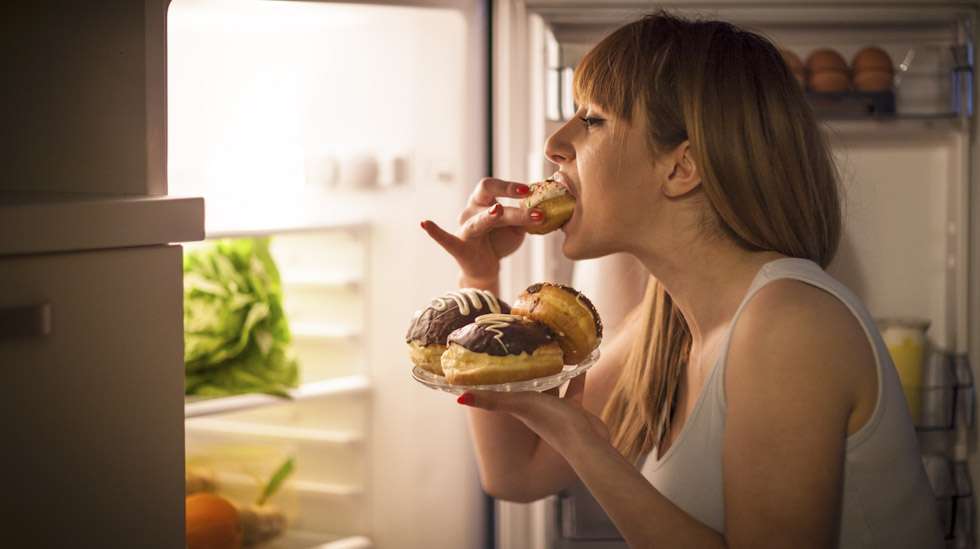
(562, 422)
(488, 230)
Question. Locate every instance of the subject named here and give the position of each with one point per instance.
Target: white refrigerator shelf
(196, 406)
(316, 330)
(307, 540)
(324, 280)
(214, 425)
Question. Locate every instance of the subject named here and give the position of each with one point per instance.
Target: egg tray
(852, 104)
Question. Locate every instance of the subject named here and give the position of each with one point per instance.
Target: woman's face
(607, 165)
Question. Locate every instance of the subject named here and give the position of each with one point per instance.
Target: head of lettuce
(236, 337)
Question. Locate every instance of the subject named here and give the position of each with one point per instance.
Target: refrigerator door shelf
(195, 407)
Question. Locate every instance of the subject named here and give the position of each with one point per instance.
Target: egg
(795, 65)
(829, 81)
(873, 80)
(872, 59)
(825, 59)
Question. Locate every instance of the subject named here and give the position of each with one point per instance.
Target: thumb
(449, 242)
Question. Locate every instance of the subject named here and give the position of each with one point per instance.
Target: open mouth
(562, 180)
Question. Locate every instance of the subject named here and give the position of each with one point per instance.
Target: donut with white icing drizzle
(430, 327)
(499, 348)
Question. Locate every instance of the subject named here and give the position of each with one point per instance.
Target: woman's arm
(796, 363)
(801, 376)
(514, 463)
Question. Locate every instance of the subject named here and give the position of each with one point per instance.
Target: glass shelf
(313, 330)
(274, 432)
(307, 540)
(198, 406)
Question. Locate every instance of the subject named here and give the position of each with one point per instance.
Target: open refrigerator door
(320, 134)
(905, 155)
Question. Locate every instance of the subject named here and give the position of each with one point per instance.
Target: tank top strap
(795, 268)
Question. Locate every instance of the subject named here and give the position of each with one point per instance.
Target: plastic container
(938, 392)
(965, 393)
(964, 527)
(939, 469)
(240, 474)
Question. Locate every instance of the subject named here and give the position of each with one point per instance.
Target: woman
(751, 401)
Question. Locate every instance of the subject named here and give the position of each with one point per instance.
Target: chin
(577, 246)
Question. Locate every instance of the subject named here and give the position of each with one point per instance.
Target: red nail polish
(536, 215)
(496, 209)
(466, 399)
(521, 188)
(423, 225)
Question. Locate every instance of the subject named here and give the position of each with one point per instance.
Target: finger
(448, 241)
(499, 216)
(489, 189)
(496, 401)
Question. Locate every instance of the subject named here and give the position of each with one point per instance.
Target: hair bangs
(608, 75)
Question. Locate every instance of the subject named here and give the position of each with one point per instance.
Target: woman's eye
(591, 121)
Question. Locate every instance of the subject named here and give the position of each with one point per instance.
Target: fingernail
(536, 215)
(423, 225)
(496, 209)
(465, 399)
(521, 188)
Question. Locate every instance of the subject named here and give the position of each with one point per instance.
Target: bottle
(906, 342)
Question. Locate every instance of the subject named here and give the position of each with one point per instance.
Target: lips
(565, 181)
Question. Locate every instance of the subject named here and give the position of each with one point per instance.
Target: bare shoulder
(793, 337)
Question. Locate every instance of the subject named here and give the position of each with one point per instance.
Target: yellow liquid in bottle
(908, 353)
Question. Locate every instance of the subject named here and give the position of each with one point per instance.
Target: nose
(558, 147)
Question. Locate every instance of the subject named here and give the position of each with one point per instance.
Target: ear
(683, 176)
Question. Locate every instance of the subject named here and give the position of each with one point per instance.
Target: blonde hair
(766, 171)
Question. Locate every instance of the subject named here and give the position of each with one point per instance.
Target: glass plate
(539, 384)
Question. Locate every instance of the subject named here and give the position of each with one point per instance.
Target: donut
(430, 327)
(552, 198)
(500, 348)
(568, 313)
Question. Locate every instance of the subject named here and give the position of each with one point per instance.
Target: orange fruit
(212, 523)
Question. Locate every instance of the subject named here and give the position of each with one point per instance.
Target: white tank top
(887, 499)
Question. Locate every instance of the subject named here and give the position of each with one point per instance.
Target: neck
(706, 279)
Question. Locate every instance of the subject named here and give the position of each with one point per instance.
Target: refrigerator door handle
(25, 321)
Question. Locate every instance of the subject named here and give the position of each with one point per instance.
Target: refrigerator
(910, 248)
(142, 132)
(332, 129)
(145, 132)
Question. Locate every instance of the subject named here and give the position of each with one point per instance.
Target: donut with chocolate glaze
(552, 198)
(500, 348)
(430, 328)
(568, 313)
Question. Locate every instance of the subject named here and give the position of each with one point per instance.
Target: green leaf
(236, 335)
(275, 482)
